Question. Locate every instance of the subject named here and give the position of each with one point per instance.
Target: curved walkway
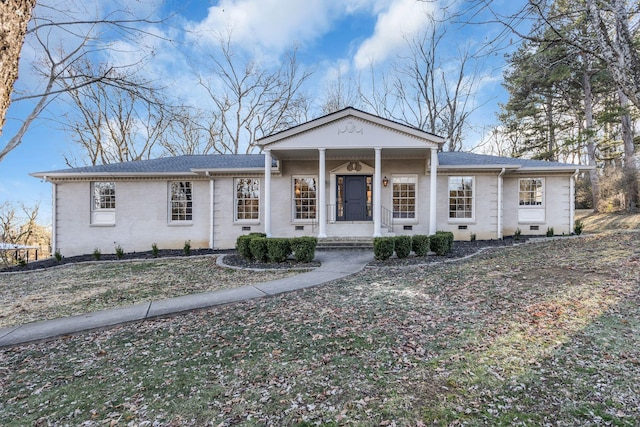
(334, 265)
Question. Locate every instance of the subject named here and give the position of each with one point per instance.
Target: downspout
(499, 234)
(211, 207)
(54, 202)
(572, 199)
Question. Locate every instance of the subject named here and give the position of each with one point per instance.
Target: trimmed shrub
(278, 249)
(449, 238)
(259, 250)
(420, 244)
(304, 248)
(402, 246)
(578, 226)
(119, 252)
(154, 250)
(186, 249)
(383, 247)
(550, 232)
(516, 234)
(242, 244)
(97, 254)
(57, 255)
(439, 243)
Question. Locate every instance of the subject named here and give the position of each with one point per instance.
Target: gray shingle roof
(459, 158)
(185, 164)
(178, 164)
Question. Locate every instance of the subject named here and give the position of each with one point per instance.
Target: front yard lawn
(543, 334)
(86, 287)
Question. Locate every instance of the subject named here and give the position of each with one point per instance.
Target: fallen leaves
(511, 337)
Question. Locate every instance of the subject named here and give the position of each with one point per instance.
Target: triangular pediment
(350, 129)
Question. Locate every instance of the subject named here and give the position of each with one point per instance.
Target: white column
(377, 181)
(433, 191)
(267, 192)
(322, 203)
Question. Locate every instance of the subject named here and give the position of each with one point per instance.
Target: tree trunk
(630, 169)
(591, 145)
(14, 17)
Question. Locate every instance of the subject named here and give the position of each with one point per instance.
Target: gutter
(499, 234)
(572, 199)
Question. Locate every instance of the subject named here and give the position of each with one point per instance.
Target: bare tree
(85, 39)
(14, 16)
(341, 93)
(429, 95)
(187, 133)
(251, 100)
(110, 122)
(18, 226)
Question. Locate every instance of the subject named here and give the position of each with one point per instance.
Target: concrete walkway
(334, 265)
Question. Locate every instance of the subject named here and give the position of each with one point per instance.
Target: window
(104, 195)
(531, 190)
(304, 198)
(404, 197)
(247, 199)
(460, 197)
(181, 201)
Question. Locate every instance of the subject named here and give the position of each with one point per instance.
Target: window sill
(102, 225)
(461, 221)
(180, 224)
(241, 223)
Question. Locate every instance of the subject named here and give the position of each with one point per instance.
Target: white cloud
(271, 25)
(402, 19)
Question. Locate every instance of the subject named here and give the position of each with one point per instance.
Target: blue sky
(332, 36)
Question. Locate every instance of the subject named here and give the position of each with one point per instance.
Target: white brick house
(349, 173)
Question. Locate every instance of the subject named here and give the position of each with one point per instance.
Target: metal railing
(386, 218)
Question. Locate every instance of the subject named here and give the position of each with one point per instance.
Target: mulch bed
(460, 249)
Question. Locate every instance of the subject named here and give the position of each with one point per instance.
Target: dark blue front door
(353, 198)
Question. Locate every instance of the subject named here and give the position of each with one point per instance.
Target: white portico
(361, 174)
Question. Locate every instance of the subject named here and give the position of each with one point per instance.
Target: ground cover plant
(537, 334)
(80, 288)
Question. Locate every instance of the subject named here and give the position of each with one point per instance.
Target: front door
(354, 198)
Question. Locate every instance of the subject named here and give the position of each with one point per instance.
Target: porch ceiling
(352, 154)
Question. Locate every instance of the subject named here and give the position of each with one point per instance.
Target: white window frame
(542, 195)
(189, 208)
(257, 185)
(103, 216)
(414, 178)
(294, 198)
(473, 198)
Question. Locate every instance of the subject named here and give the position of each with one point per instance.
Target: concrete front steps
(342, 243)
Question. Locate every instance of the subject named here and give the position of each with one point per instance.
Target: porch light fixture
(385, 181)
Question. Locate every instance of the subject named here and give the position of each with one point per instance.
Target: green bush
(578, 226)
(449, 239)
(304, 248)
(516, 234)
(278, 249)
(97, 254)
(383, 247)
(242, 244)
(420, 244)
(550, 232)
(259, 250)
(57, 255)
(402, 246)
(119, 252)
(154, 250)
(439, 243)
(186, 249)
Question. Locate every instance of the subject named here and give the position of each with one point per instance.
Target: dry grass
(81, 288)
(544, 334)
(594, 223)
